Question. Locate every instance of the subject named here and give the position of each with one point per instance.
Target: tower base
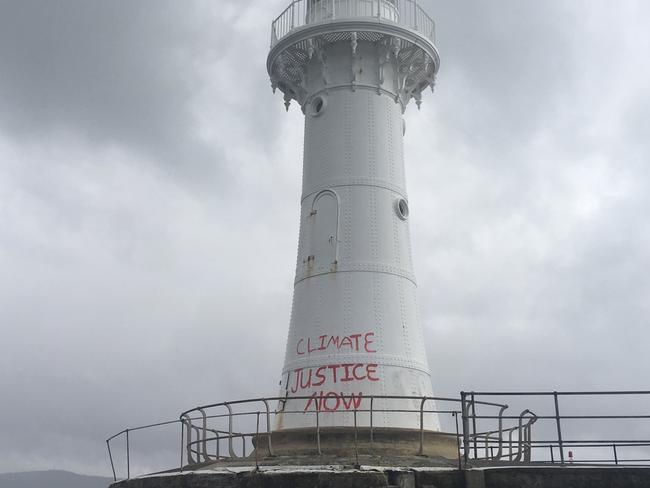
(349, 442)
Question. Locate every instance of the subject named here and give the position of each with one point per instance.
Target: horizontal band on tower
(365, 268)
(355, 86)
(355, 181)
(378, 359)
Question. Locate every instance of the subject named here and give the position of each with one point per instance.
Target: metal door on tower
(323, 235)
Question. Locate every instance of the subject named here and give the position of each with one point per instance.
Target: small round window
(402, 208)
(317, 106)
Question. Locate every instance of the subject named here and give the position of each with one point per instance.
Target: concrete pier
(377, 477)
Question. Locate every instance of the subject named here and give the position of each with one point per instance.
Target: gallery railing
(300, 13)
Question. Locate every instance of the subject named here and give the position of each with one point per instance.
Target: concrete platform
(385, 477)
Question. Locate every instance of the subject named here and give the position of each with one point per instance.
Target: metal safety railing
(300, 13)
(244, 430)
(573, 427)
(579, 428)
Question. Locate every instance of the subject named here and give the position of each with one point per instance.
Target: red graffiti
(306, 378)
(351, 343)
(333, 401)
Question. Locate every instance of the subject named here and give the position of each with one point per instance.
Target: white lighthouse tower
(353, 66)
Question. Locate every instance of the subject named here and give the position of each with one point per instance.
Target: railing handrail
(306, 397)
(560, 393)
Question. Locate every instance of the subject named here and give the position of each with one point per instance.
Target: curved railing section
(301, 13)
(243, 431)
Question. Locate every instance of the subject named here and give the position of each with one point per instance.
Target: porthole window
(318, 104)
(402, 208)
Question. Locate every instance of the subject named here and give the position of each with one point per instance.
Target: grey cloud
(532, 246)
(509, 63)
(115, 73)
(102, 68)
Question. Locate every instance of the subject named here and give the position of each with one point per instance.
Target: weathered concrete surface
(341, 441)
(337, 477)
(575, 477)
(273, 479)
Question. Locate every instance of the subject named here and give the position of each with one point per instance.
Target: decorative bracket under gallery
(413, 69)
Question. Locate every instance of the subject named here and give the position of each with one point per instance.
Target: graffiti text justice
(348, 343)
(306, 378)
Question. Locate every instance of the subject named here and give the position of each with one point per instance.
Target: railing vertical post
(204, 441)
(293, 15)
(257, 442)
(318, 428)
(455, 414)
(128, 456)
(218, 453)
(500, 451)
(180, 468)
(356, 438)
(231, 450)
(110, 455)
(552, 457)
(510, 444)
(424, 399)
(522, 432)
(372, 433)
(197, 443)
(528, 445)
(474, 426)
(559, 426)
(188, 446)
(268, 427)
(615, 454)
(463, 400)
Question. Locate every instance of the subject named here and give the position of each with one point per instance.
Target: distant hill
(51, 479)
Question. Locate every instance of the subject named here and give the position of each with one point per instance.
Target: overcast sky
(149, 205)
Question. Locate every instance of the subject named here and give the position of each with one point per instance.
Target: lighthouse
(353, 67)
(355, 389)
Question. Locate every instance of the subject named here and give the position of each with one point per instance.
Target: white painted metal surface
(354, 326)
